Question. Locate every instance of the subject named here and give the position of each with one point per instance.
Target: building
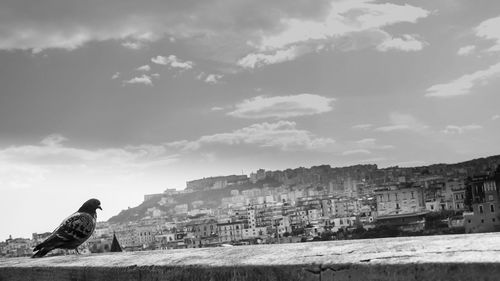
(482, 202)
(399, 201)
(230, 231)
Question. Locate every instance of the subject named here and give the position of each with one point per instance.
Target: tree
(298, 231)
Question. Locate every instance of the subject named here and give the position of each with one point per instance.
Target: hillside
(317, 175)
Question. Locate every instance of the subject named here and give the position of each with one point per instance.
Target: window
(492, 208)
(482, 221)
(481, 209)
(490, 197)
(493, 219)
(413, 195)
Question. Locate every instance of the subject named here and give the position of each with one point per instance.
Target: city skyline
(120, 99)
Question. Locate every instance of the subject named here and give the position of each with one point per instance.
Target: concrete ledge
(451, 257)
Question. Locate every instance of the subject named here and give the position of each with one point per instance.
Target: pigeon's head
(90, 206)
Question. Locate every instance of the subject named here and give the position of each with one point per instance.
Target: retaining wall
(450, 257)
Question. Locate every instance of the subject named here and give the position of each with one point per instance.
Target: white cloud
(255, 60)
(144, 68)
(488, 29)
(115, 76)
(374, 160)
(282, 134)
(391, 128)
(173, 62)
(248, 27)
(213, 78)
(466, 50)
(344, 17)
(356, 151)
(401, 121)
(406, 43)
(282, 106)
(155, 75)
(24, 166)
(362, 126)
(216, 108)
(210, 78)
(495, 117)
(370, 143)
(53, 140)
(299, 36)
(133, 45)
(464, 85)
(144, 79)
(452, 129)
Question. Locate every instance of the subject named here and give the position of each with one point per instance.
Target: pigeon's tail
(41, 252)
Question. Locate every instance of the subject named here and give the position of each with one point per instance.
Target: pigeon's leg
(77, 252)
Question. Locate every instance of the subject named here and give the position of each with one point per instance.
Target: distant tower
(115, 246)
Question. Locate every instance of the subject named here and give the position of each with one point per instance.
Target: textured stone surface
(451, 257)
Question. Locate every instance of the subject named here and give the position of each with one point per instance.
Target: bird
(73, 231)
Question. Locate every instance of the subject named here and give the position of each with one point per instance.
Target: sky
(117, 99)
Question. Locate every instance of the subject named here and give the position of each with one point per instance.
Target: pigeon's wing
(76, 229)
(72, 232)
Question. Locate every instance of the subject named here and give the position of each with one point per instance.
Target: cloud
(495, 117)
(53, 140)
(24, 166)
(249, 27)
(452, 129)
(217, 108)
(282, 135)
(255, 60)
(115, 76)
(464, 85)
(144, 68)
(133, 45)
(401, 121)
(144, 79)
(213, 78)
(282, 106)
(407, 43)
(362, 126)
(391, 128)
(210, 78)
(173, 62)
(488, 29)
(299, 36)
(356, 151)
(370, 143)
(342, 18)
(466, 50)
(374, 160)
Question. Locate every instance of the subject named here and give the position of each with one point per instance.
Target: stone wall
(452, 257)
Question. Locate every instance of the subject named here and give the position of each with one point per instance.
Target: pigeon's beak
(99, 207)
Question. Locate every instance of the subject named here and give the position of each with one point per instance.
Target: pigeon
(73, 231)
